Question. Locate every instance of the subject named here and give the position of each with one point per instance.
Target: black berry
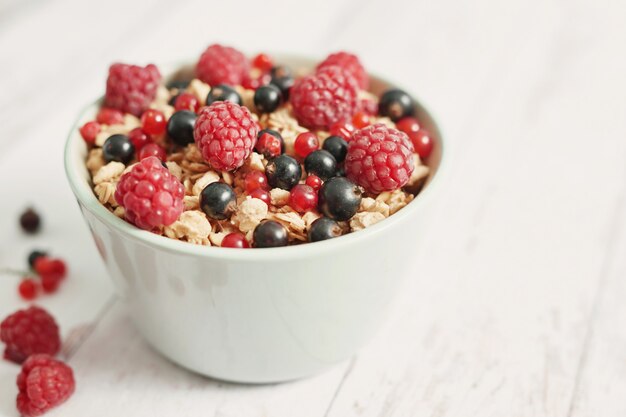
(337, 146)
(270, 234)
(223, 92)
(30, 221)
(34, 255)
(267, 98)
(177, 85)
(284, 84)
(218, 200)
(283, 172)
(281, 71)
(180, 127)
(172, 100)
(118, 148)
(396, 104)
(324, 228)
(339, 198)
(321, 163)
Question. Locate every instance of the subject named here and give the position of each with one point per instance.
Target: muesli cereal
(246, 156)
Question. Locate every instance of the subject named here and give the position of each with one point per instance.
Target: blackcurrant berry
(339, 198)
(34, 255)
(337, 146)
(283, 172)
(177, 85)
(396, 104)
(180, 127)
(30, 221)
(323, 228)
(321, 163)
(223, 92)
(267, 98)
(284, 84)
(118, 148)
(218, 200)
(270, 234)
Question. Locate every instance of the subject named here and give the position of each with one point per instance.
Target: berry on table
(306, 143)
(396, 104)
(408, 125)
(303, 198)
(255, 180)
(321, 163)
(361, 120)
(222, 65)
(28, 289)
(139, 138)
(152, 149)
(235, 240)
(270, 234)
(223, 92)
(27, 332)
(51, 267)
(337, 146)
(379, 158)
(153, 122)
(339, 198)
(323, 229)
(350, 63)
(342, 129)
(314, 182)
(30, 221)
(269, 143)
(187, 101)
(262, 195)
(43, 383)
(422, 142)
(151, 196)
(225, 133)
(180, 127)
(118, 148)
(283, 172)
(267, 98)
(218, 200)
(262, 62)
(34, 255)
(89, 131)
(108, 116)
(131, 88)
(324, 98)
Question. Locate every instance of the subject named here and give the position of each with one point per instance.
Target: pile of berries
(31, 338)
(45, 274)
(355, 145)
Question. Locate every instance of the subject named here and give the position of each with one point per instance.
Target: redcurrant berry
(361, 120)
(422, 142)
(255, 180)
(235, 240)
(342, 129)
(28, 289)
(408, 125)
(261, 195)
(306, 143)
(153, 122)
(262, 62)
(314, 182)
(303, 198)
(152, 149)
(107, 116)
(187, 101)
(89, 131)
(139, 138)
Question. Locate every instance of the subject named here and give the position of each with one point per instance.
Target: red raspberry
(27, 332)
(131, 88)
(379, 158)
(222, 65)
(225, 134)
(150, 194)
(89, 131)
(43, 383)
(328, 97)
(350, 63)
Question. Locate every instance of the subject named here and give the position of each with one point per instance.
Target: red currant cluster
(45, 274)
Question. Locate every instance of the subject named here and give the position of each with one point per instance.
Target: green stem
(10, 271)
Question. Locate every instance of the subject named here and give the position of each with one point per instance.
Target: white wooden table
(518, 305)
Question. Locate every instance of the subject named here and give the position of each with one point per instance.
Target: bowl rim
(84, 194)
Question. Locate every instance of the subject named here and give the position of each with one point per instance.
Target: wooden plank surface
(514, 305)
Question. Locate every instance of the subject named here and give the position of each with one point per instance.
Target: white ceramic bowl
(256, 315)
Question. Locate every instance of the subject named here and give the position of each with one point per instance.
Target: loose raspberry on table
(325, 98)
(225, 133)
(379, 158)
(222, 65)
(151, 196)
(43, 383)
(350, 63)
(27, 332)
(131, 88)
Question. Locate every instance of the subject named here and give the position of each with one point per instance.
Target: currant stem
(10, 271)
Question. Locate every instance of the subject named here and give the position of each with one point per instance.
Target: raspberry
(222, 65)
(89, 131)
(379, 158)
(131, 88)
(150, 194)
(349, 63)
(27, 332)
(43, 383)
(325, 98)
(225, 134)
